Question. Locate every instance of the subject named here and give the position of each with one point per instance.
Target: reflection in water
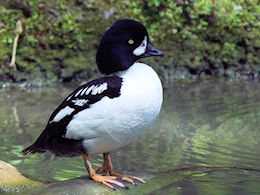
(210, 129)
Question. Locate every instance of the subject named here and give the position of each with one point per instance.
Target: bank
(201, 39)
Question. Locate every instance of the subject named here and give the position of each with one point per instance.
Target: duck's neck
(135, 70)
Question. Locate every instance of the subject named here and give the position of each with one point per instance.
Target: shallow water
(208, 134)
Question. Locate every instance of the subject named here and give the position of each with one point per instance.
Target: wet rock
(13, 181)
(10, 175)
(75, 186)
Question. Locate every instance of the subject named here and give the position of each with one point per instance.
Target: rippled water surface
(208, 134)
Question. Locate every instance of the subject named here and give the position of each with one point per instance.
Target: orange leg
(107, 169)
(107, 166)
(128, 178)
(109, 181)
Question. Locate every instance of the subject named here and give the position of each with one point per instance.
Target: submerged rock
(81, 185)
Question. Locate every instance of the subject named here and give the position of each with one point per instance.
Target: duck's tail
(34, 148)
(59, 146)
(37, 147)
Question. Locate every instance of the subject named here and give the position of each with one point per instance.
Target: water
(208, 135)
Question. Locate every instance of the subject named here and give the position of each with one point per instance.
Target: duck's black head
(123, 43)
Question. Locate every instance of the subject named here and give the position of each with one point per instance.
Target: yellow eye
(131, 41)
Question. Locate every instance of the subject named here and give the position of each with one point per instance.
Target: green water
(208, 135)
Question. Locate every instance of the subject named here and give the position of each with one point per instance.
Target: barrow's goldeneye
(109, 112)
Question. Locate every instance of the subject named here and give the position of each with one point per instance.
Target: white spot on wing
(78, 92)
(103, 87)
(142, 47)
(79, 102)
(99, 89)
(89, 89)
(62, 113)
(94, 90)
(84, 90)
(69, 97)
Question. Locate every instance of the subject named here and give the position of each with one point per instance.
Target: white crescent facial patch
(142, 47)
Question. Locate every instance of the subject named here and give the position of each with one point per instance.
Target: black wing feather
(52, 138)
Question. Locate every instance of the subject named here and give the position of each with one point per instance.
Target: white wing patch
(83, 91)
(141, 48)
(80, 102)
(62, 113)
(78, 92)
(99, 89)
(89, 89)
(94, 90)
(69, 97)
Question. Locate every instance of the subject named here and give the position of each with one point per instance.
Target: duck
(109, 112)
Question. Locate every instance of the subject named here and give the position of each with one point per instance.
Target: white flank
(141, 49)
(62, 113)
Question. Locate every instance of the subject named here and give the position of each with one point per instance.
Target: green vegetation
(201, 38)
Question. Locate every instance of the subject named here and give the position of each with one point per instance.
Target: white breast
(141, 96)
(112, 123)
